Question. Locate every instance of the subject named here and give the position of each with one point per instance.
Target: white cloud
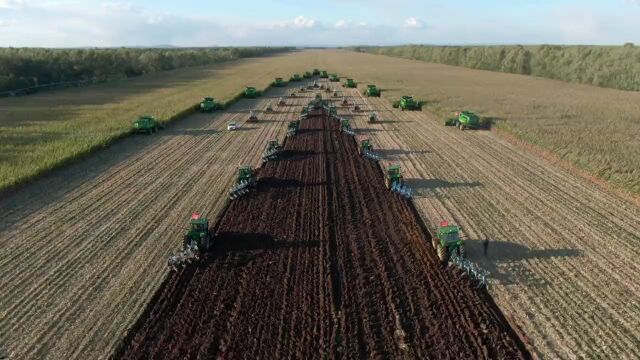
(11, 4)
(413, 23)
(349, 24)
(302, 22)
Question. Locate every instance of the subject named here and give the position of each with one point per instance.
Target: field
(321, 261)
(84, 248)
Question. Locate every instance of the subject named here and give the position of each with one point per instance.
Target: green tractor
(272, 151)
(292, 128)
(295, 77)
(251, 92)
(324, 74)
(278, 82)
(334, 78)
(447, 242)
(333, 111)
(208, 104)
(245, 181)
(372, 90)
(393, 176)
(316, 72)
(365, 145)
(307, 75)
(146, 124)
(345, 125)
(464, 120)
(408, 103)
(196, 242)
(351, 84)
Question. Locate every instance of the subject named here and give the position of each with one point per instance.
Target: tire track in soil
(331, 264)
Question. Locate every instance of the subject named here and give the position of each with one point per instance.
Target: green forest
(606, 66)
(28, 67)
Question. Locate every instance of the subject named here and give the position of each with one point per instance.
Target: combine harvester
(244, 183)
(464, 120)
(197, 241)
(372, 90)
(272, 151)
(450, 247)
(250, 92)
(146, 125)
(324, 74)
(394, 180)
(307, 75)
(295, 77)
(408, 103)
(278, 82)
(316, 72)
(350, 84)
(334, 78)
(209, 104)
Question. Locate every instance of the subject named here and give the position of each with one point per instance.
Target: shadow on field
(504, 260)
(189, 132)
(419, 185)
(398, 152)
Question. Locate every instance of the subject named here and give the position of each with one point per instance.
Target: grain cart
(447, 241)
(245, 181)
(373, 117)
(324, 74)
(372, 90)
(393, 176)
(251, 93)
(252, 117)
(295, 77)
(350, 84)
(307, 75)
(146, 124)
(208, 104)
(316, 72)
(195, 243)
(408, 103)
(464, 120)
(334, 78)
(279, 82)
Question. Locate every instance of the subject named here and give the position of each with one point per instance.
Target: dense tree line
(607, 66)
(27, 67)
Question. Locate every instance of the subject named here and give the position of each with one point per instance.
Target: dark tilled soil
(322, 261)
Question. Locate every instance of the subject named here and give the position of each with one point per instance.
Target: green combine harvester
(146, 125)
(372, 90)
(278, 82)
(408, 103)
(316, 72)
(447, 242)
(464, 120)
(245, 181)
(334, 78)
(351, 84)
(251, 93)
(393, 176)
(196, 242)
(307, 75)
(295, 77)
(324, 74)
(209, 104)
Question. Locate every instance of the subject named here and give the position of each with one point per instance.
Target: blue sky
(65, 23)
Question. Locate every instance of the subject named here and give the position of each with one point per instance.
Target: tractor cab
(393, 175)
(365, 145)
(447, 241)
(345, 125)
(245, 173)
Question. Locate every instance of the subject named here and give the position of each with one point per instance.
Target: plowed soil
(321, 261)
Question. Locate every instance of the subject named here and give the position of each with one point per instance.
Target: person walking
(485, 244)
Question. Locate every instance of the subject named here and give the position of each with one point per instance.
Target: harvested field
(321, 261)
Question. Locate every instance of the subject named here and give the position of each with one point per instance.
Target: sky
(76, 23)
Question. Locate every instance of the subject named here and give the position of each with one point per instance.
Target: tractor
(393, 175)
(447, 242)
(245, 181)
(408, 103)
(307, 75)
(350, 84)
(252, 117)
(196, 242)
(146, 124)
(269, 108)
(464, 120)
(272, 151)
(356, 108)
(295, 77)
(281, 102)
(333, 111)
(316, 72)
(372, 90)
(335, 93)
(279, 82)
(324, 74)
(365, 145)
(208, 104)
(292, 128)
(334, 78)
(251, 93)
(345, 125)
(373, 117)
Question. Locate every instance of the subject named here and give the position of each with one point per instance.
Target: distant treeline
(28, 67)
(607, 66)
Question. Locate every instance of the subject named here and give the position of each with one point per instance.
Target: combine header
(246, 180)
(408, 103)
(278, 82)
(146, 124)
(464, 120)
(372, 90)
(272, 151)
(251, 93)
(196, 242)
(209, 104)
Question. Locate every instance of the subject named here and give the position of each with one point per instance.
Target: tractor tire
(443, 254)
(461, 127)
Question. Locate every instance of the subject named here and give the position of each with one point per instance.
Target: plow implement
(240, 189)
(401, 189)
(272, 151)
(472, 270)
(371, 155)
